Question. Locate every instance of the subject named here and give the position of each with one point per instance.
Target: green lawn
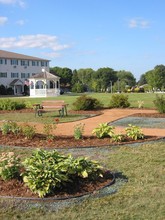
(142, 197)
(69, 98)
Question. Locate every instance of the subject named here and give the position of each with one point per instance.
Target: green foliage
(78, 131)
(48, 130)
(9, 165)
(85, 102)
(8, 104)
(119, 101)
(160, 103)
(28, 131)
(10, 126)
(118, 137)
(46, 171)
(103, 130)
(134, 132)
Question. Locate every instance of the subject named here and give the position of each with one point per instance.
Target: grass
(147, 98)
(142, 197)
(47, 117)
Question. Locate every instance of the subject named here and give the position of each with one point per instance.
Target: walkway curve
(107, 115)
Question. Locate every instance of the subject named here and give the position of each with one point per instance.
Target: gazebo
(44, 84)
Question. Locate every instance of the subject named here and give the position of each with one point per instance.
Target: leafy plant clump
(8, 104)
(85, 102)
(160, 103)
(78, 131)
(119, 101)
(134, 132)
(28, 131)
(49, 170)
(103, 130)
(9, 165)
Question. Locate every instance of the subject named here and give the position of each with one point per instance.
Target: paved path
(108, 115)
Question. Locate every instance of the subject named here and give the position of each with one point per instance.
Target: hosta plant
(103, 130)
(118, 137)
(9, 165)
(134, 132)
(49, 170)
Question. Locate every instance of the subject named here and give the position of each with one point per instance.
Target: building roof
(11, 55)
(16, 82)
(44, 75)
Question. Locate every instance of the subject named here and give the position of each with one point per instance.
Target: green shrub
(10, 126)
(9, 166)
(160, 103)
(49, 170)
(119, 101)
(103, 130)
(8, 104)
(28, 131)
(85, 102)
(78, 131)
(118, 137)
(134, 132)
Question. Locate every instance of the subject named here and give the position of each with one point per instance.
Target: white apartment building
(16, 69)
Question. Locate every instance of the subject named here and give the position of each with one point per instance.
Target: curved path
(107, 115)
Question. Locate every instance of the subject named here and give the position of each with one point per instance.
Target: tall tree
(156, 77)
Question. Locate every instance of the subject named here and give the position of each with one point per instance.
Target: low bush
(103, 130)
(78, 131)
(134, 132)
(85, 102)
(49, 170)
(9, 166)
(7, 104)
(160, 103)
(28, 131)
(10, 127)
(119, 101)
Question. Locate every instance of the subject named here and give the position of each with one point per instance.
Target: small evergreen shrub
(85, 102)
(160, 103)
(119, 101)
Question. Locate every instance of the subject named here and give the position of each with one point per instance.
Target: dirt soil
(79, 187)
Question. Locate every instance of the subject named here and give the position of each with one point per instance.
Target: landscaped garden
(137, 192)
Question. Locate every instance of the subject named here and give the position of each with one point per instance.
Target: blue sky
(120, 34)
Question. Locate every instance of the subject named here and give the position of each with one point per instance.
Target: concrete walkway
(108, 115)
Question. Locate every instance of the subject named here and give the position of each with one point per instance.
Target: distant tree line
(107, 80)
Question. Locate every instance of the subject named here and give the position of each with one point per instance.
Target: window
(14, 62)
(3, 75)
(24, 62)
(42, 63)
(3, 61)
(25, 75)
(14, 75)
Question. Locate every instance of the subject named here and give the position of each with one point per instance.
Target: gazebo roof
(44, 75)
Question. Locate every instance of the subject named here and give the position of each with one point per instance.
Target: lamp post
(111, 86)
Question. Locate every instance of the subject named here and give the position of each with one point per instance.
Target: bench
(51, 105)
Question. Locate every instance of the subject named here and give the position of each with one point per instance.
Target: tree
(103, 77)
(65, 75)
(156, 77)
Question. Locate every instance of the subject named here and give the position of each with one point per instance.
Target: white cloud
(21, 3)
(3, 20)
(20, 22)
(41, 41)
(138, 23)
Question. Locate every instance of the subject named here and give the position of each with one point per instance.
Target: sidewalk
(108, 115)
